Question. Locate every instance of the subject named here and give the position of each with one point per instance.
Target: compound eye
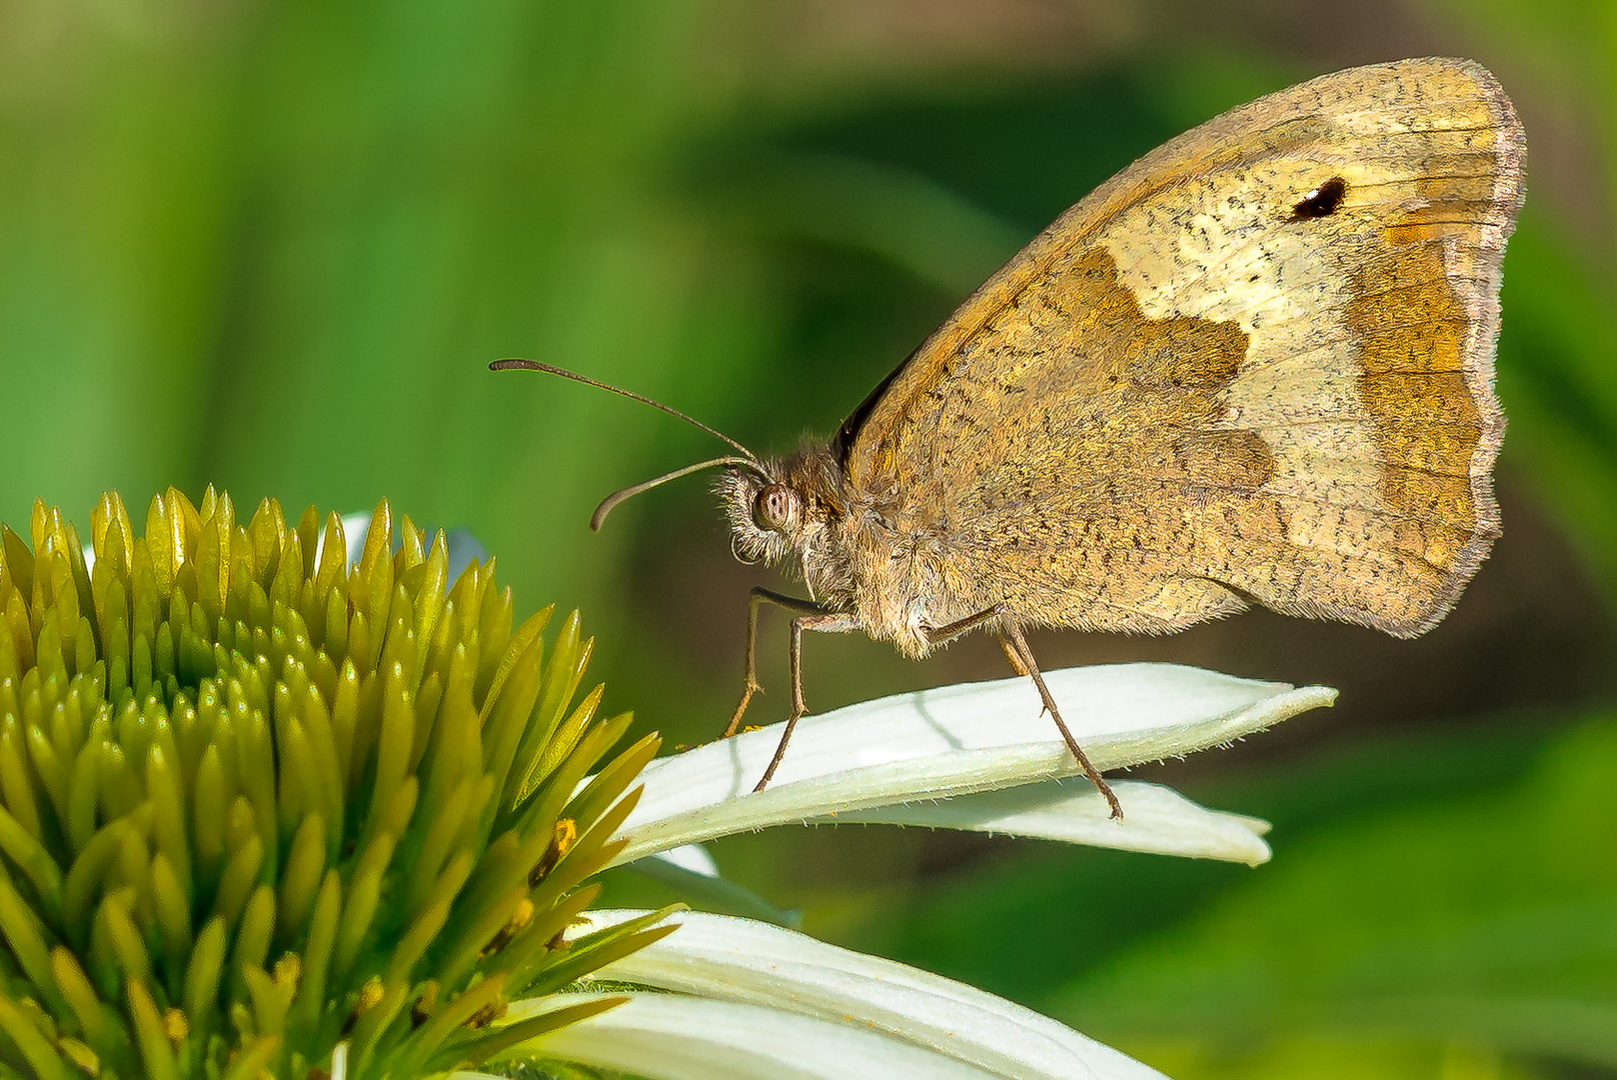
(774, 508)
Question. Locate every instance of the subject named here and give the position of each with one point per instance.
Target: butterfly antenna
(534, 365)
(612, 500)
(747, 460)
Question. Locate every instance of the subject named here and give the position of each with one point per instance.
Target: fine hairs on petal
(1159, 819)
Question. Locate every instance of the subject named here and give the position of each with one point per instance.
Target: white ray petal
(950, 741)
(718, 956)
(691, 872)
(1156, 819)
(675, 1037)
(692, 857)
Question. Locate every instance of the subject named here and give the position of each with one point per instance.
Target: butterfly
(1255, 367)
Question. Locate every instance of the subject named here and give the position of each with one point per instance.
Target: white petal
(692, 857)
(1155, 818)
(674, 1037)
(950, 741)
(693, 874)
(355, 527)
(460, 545)
(718, 956)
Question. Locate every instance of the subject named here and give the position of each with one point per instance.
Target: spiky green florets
(258, 802)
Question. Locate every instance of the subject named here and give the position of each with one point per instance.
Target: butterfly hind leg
(1022, 662)
(810, 616)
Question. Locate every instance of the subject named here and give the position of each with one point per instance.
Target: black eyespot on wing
(1322, 201)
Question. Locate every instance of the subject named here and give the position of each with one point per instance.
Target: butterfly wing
(1255, 365)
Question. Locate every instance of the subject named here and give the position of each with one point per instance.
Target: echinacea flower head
(260, 805)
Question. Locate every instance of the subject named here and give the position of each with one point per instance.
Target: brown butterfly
(1256, 366)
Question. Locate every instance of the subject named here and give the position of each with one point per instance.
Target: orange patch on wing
(1427, 426)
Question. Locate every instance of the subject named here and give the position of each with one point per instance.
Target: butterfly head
(778, 510)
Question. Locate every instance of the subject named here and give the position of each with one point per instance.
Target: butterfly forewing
(1257, 364)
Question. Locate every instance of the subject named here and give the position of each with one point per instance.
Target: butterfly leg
(750, 682)
(810, 616)
(1016, 645)
(827, 622)
(940, 634)
(1010, 655)
(1022, 662)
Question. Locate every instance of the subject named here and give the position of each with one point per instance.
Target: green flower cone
(260, 805)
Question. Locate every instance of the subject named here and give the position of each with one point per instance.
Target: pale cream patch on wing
(1222, 248)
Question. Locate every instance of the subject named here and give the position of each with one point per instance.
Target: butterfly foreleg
(750, 685)
(810, 616)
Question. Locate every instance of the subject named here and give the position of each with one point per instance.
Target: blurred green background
(272, 246)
